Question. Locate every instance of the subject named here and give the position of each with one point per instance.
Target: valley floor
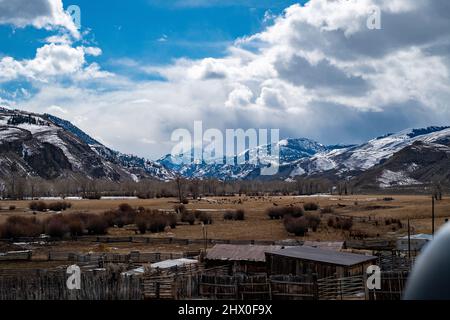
(373, 211)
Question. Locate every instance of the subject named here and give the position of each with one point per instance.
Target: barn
(240, 258)
(324, 263)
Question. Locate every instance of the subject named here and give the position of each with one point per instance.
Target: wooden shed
(240, 258)
(305, 260)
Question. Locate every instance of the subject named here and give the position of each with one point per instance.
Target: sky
(131, 74)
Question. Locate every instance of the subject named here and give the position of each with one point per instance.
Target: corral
(234, 266)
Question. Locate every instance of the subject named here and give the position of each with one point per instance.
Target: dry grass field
(257, 225)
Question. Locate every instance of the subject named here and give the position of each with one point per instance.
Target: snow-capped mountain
(246, 165)
(381, 152)
(409, 158)
(48, 147)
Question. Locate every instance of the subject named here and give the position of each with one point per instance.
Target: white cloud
(52, 60)
(56, 110)
(59, 39)
(92, 51)
(241, 96)
(41, 14)
(316, 72)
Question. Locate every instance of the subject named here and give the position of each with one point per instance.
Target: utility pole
(409, 241)
(205, 236)
(432, 215)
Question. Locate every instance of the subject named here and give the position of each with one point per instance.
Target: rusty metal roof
(323, 255)
(230, 252)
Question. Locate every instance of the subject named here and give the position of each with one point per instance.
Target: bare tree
(179, 183)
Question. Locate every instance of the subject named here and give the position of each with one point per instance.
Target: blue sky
(152, 31)
(134, 73)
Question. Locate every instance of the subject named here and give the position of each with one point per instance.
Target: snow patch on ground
(390, 179)
(52, 138)
(299, 171)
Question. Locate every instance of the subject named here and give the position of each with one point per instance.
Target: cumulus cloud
(42, 14)
(318, 72)
(52, 60)
(241, 96)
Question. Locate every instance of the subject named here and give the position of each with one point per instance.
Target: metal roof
(167, 264)
(324, 256)
(420, 236)
(230, 252)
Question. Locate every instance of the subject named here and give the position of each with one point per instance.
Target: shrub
(327, 209)
(141, 223)
(206, 218)
(344, 223)
(38, 206)
(239, 215)
(12, 207)
(340, 223)
(297, 226)
(76, 227)
(180, 209)
(59, 206)
(80, 216)
(228, 215)
(311, 206)
(188, 217)
(197, 214)
(56, 227)
(125, 215)
(185, 201)
(16, 227)
(313, 221)
(121, 217)
(390, 221)
(331, 222)
(157, 223)
(110, 217)
(171, 220)
(96, 225)
(280, 212)
(125, 207)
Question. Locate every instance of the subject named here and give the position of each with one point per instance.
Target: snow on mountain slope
(248, 163)
(49, 147)
(363, 157)
(390, 178)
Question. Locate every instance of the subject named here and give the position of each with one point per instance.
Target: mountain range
(48, 147)
(45, 146)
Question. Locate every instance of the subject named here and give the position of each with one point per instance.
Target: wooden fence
(156, 241)
(51, 285)
(193, 283)
(345, 288)
(256, 287)
(177, 283)
(395, 260)
(16, 256)
(392, 286)
(133, 257)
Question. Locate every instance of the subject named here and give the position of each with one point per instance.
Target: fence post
(366, 289)
(315, 287)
